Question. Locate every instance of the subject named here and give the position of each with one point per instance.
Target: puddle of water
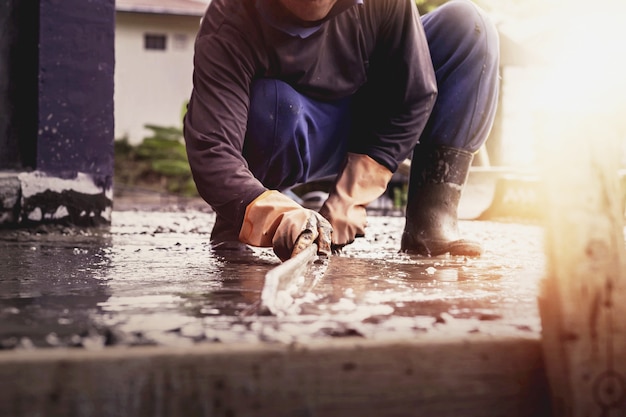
(49, 287)
(151, 278)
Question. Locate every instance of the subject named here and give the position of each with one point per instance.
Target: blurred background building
(154, 41)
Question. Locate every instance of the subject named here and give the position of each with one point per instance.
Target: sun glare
(584, 79)
(576, 71)
(586, 71)
(579, 117)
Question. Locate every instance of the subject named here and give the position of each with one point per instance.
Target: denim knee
(462, 19)
(291, 139)
(274, 110)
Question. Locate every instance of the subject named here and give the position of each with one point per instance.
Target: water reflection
(408, 286)
(52, 283)
(153, 279)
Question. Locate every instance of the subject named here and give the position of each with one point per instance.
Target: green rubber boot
(438, 174)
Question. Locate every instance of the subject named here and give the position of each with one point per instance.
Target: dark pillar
(76, 64)
(74, 177)
(19, 37)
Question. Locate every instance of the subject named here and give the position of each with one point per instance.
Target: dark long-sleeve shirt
(378, 47)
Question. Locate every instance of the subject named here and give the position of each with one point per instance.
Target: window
(155, 42)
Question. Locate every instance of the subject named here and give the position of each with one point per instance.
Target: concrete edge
(10, 196)
(471, 376)
(30, 198)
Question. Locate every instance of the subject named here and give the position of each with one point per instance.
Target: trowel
(290, 280)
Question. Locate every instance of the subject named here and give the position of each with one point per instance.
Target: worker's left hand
(360, 181)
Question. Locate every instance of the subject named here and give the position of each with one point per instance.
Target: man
(289, 91)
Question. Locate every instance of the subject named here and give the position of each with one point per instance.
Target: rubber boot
(438, 174)
(225, 237)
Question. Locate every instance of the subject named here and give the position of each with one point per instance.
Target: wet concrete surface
(152, 279)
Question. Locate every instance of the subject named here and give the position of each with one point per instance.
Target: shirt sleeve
(216, 119)
(393, 107)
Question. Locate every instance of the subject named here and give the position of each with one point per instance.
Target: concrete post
(73, 173)
(18, 83)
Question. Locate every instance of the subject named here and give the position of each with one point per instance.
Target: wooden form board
(583, 298)
(477, 375)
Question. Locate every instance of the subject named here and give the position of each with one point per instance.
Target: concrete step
(474, 375)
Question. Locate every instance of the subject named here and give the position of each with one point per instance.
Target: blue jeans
(292, 139)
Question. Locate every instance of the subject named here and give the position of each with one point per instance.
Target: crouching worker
(290, 91)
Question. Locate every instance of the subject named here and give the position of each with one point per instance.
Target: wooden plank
(583, 297)
(475, 375)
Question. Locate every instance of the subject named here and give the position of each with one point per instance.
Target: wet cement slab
(152, 279)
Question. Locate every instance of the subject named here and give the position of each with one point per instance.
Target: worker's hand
(275, 220)
(348, 221)
(361, 180)
(317, 230)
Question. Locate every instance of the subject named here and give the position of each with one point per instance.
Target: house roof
(175, 7)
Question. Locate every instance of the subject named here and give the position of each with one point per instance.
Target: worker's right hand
(273, 219)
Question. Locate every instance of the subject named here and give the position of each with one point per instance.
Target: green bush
(158, 163)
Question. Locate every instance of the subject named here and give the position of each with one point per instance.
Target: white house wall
(151, 86)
